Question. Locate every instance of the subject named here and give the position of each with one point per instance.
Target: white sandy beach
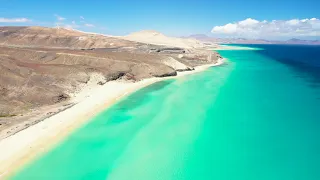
(25, 145)
(226, 47)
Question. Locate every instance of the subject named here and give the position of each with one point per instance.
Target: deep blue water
(304, 59)
(295, 55)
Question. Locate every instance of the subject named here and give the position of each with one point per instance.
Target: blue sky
(175, 18)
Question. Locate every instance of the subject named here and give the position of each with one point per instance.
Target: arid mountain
(300, 41)
(208, 39)
(57, 38)
(42, 67)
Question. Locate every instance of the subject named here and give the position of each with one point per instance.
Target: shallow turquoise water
(252, 118)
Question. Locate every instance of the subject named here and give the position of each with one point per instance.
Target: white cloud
(14, 20)
(293, 22)
(248, 22)
(59, 18)
(89, 25)
(227, 29)
(276, 28)
(81, 17)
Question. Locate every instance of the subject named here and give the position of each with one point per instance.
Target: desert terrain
(47, 70)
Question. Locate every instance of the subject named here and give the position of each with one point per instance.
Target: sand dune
(154, 37)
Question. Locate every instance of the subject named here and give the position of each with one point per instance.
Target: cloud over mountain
(254, 28)
(89, 25)
(59, 18)
(14, 20)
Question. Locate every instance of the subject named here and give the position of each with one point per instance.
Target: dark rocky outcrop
(60, 98)
(174, 73)
(169, 50)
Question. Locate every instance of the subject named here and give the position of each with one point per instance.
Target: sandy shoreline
(227, 47)
(22, 147)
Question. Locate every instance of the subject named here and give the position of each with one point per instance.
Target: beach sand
(229, 47)
(22, 147)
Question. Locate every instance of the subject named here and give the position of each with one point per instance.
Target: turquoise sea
(257, 117)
